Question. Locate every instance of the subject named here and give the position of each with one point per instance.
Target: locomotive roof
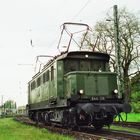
(84, 54)
(77, 55)
(80, 55)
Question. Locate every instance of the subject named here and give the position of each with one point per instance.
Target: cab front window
(84, 65)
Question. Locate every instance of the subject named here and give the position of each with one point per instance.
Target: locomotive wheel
(98, 127)
(65, 118)
(73, 123)
(46, 118)
(31, 115)
(37, 117)
(72, 119)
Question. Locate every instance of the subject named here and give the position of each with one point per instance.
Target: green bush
(135, 102)
(135, 96)
(135, 106)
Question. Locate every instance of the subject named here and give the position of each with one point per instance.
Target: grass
(131, 117)
(12, 130)
(120, 128)
(134, 117)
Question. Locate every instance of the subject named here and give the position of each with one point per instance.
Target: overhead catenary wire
(74, 17)
(78, 13)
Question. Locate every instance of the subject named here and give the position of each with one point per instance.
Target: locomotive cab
(87, 76)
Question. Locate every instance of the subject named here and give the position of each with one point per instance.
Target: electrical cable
(85, 5)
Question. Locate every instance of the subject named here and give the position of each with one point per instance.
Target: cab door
(52, 85)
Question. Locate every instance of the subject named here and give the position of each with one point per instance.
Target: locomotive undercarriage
(80, 114)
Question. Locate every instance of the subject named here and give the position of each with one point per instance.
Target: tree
(135, 82)
(102, 39)
(10, 104)
(135, 96)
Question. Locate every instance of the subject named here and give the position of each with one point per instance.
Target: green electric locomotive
(75, 89)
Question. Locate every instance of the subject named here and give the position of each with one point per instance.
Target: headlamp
(115, 91)
(81, 91)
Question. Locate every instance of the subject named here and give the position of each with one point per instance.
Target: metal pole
(2, 110)
(1, 100)
(117, 52)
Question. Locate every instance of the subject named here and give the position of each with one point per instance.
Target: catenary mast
(117, 52)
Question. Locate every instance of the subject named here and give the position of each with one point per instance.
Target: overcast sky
(40, 20)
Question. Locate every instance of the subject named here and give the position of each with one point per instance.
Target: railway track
(128, 124)
(85, 133)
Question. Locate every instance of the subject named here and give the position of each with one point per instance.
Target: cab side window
(46, 76)
(33, 85)
(38, 81)
(52, 73)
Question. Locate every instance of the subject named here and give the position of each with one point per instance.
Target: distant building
(0, 110)
(21, 110)
(9, 107)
